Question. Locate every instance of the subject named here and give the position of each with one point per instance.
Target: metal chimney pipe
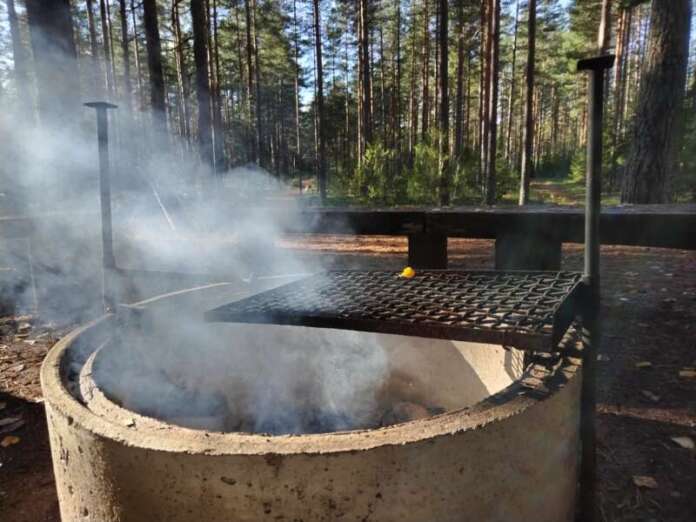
(590, 318)
(108, 258)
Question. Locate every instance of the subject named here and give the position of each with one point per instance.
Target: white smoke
(173, 214)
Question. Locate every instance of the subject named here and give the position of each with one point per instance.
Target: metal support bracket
(108, 258)
(590, 317)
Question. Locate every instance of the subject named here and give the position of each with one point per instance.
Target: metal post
(590, 318)
(108, 258)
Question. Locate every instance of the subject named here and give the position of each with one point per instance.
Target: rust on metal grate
(526, 310)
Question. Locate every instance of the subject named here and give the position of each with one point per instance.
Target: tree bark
(443, 87)
(182, 86)
(604, 34)
(483, 91)
(365, 83)
(396, 94)
(55, 60)
(459, 102)
(251, 91)
(200, 53)
(623, 35)
(527, 149)
(511, 100)
(154, 65)
(657, 127)
(106, 44)
(412, 103)
(425, 123)
(250, 80)
(492, 145)
(94, 49)
(321, 152)
(296, 79)
(382, 86)
(219, 138)
(21, 65)
(136, 57)
(258, 109)
(125, 55)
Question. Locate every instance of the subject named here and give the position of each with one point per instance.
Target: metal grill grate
(527, 310)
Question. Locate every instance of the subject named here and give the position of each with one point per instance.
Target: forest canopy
(375, 101)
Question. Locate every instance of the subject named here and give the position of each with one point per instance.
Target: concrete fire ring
(511, 456)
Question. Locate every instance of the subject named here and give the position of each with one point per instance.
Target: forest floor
(647, 387)
(565, 191)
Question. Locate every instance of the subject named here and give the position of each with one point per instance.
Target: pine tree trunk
(382, 85)
(94, 49)
(365, 83)
(321, 152)
(298, 147)
(136, 55)
(527, 148)
(604, 34)
(182, 87)
(443, 88)
(106, 40)
(511, 100)
(346, 110)
(412, 103)
(425, 123)
(657, 127)
(258, 108)
(623, 35)
(242, 102)
(467, 104)
(112, 49)
(492, 145)
(21, 63)
(154, 65)
(55, 61)
(459, 102)
(200, 53)
(125, 56)
(484, 103)
(256, 145)
(396, 95)
(219, 138)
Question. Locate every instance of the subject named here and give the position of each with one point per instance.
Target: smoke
(173, 214)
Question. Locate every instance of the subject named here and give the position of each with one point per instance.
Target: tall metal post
(108, 258)
(590, 318)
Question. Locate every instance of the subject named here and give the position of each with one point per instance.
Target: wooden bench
(526, 238)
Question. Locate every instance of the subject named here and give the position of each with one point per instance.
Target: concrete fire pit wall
(511, 456)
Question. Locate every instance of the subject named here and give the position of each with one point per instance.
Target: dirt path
(649, 311)
(565, 191)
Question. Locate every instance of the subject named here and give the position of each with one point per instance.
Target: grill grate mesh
(527, 310)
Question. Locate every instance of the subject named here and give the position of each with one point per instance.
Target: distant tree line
(387, 101)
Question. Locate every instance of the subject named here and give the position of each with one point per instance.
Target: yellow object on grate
(408, 272)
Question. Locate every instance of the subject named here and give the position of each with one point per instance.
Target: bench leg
(518, 251)
(427, 251)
